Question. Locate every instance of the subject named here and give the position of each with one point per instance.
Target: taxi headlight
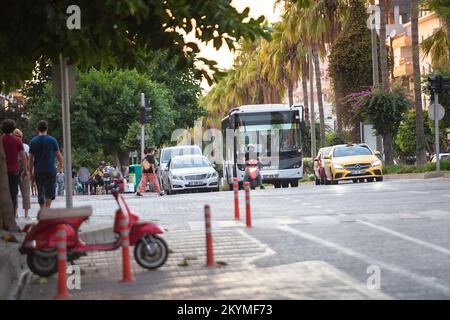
(337, 166)
(376, 163)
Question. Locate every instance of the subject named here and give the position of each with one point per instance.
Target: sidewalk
(12, 266)
(184, 276)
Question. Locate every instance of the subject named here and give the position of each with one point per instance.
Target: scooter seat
(59, 213)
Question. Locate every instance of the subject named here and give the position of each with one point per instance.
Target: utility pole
(312, 115)
(436, 132)
(65, 104)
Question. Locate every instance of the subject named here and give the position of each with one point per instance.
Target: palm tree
(420, 132)
(383, 48)
(438, 44)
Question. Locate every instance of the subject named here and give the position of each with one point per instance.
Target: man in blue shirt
(43, 150)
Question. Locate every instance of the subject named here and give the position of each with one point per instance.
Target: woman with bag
(148, 166)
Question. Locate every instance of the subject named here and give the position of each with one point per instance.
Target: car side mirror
(377, 153)
(327, 157)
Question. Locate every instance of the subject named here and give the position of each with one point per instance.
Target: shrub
(308, 166)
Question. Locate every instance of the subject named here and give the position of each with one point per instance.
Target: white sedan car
(191, 172)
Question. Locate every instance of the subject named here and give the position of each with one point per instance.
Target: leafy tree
(405, 140)
(102, 109)
(385, 112)
(114, 33)
(117, 34)
(351, 62)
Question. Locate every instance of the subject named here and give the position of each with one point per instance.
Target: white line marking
(406, 237)
(370, 261)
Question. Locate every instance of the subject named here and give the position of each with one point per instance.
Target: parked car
(166, 154)
(191, 172)
(319, 165)
(356, 162)
(442, 156)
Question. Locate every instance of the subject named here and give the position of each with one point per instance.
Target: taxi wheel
(379, 178)
(355, 180)
(369, 179)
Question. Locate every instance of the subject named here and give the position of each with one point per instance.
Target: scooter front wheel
(43, 263)
(151, 252)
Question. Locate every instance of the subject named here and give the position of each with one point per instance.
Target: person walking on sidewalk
(24, 181)
(60, 182)
(148, 166)
(13, 149)
(43, 150)
(83, 176)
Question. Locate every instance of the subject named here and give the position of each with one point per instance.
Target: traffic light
(438, 84)
(146, 112)
(434, 84)
(444, 84)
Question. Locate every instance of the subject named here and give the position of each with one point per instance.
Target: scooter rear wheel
(43, 263)
(151, 260)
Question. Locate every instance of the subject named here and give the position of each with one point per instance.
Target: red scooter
(40, 244)
(252, 174)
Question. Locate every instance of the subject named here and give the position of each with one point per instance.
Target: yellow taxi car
(356, 162)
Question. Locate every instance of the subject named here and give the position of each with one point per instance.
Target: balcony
(402, 41)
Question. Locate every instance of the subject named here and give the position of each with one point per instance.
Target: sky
(224, 57)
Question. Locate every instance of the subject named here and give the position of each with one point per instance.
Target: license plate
(357, 172)
(195, 183)
(270, 176)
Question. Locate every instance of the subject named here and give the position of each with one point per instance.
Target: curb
(425, 175)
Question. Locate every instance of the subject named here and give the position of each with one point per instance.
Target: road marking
(406, 237)
(370, 261)
(419, 192)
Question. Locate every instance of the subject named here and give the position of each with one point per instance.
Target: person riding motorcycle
(251, 154)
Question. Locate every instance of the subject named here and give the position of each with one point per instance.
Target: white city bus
(276, 132)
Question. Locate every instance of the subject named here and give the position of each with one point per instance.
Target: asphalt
(311, 242)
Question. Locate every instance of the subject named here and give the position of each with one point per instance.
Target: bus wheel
(277, 185)
(294, 183)
(285, 184)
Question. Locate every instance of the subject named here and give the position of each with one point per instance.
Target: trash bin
(134, 175)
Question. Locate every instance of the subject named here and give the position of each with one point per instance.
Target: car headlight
(212, 175)
(376, 163)
(337, 166)
(175, 177)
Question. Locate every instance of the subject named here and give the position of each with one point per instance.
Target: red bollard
(61, 238)
(248, 218)
(236, 199)
(125, 242)
(209, 240)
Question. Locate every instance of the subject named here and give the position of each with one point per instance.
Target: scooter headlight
(30, 244)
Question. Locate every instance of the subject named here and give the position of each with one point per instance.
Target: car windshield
(194, 162)
(325, 151)
(351, 151)
(170, 153)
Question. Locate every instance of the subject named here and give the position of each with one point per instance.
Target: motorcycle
(40, 243)
(252, 174)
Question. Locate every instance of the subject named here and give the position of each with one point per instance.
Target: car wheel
(355, 180)
(379, 178)
(277, 185)
(318, 182)
(361, 180)
(369, 179)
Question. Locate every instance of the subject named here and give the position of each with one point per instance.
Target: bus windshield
(263, 129)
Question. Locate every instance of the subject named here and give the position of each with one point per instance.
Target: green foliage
(104, 106)
(384, 110)
(333, 138)
(308, 166)
(405, 140)
(351, 59)
(402, 168)
(115, 33)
